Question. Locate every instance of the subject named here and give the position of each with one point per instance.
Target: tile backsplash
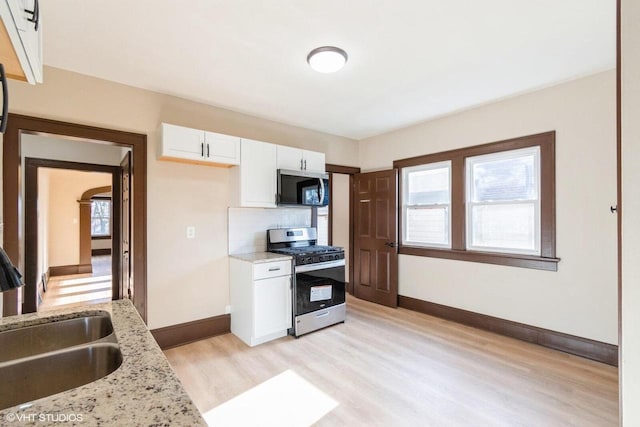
(248, 226)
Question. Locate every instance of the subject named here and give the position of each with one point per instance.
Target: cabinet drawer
(265, 270)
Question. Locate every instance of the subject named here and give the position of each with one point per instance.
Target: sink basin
(30, 378)
(51, 336)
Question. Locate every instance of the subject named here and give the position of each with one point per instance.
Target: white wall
(100, 243)
(187, 279)
(65, 189)
(630, 337)
(340, 211)
(581, 297)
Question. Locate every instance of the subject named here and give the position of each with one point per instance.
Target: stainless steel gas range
(319, 286)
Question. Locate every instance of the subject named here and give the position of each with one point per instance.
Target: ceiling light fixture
(327, 59)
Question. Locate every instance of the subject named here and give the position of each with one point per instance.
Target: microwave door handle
(321, 190)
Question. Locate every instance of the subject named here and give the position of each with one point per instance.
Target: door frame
(12, 199)
(32, 165)
(351, 171)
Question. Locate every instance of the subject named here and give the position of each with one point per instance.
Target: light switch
(191, 232)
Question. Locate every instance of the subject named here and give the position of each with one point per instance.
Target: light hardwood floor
(395, 367)
(80, 289)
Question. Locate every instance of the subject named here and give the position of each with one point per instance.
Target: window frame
(547, 259)
(502, 155)
(404, 206)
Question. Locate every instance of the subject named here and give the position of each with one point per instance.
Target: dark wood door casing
(125, 228)
(30, 300)
(376, 237)
(350, 171)
(18, 124)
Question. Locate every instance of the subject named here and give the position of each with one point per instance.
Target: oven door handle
(319, 266)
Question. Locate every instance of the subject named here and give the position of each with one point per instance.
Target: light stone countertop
(143, 391)
(259, 257)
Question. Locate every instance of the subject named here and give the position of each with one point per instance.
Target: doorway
(14, 220)
(338, 216)
(72, 214)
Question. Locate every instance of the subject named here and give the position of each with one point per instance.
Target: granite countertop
(258, 257)
(143, 391)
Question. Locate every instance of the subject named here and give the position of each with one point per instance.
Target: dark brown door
(375, 237)
(125, 228)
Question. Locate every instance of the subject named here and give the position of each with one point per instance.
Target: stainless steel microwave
(301, 188)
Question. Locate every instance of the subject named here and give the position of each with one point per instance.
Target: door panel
(376, 256)
(383, 264)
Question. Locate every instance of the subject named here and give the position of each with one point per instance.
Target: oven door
(319, 286)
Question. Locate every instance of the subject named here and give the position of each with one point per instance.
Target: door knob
(390, 244)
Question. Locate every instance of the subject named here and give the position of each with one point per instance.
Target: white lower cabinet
(260, 294)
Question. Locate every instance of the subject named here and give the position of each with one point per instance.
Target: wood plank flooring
(395, 367)
(80, 289)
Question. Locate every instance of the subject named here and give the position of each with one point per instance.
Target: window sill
(100, 237)
(512, 260)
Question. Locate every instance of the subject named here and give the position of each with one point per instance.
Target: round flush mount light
(327, 59)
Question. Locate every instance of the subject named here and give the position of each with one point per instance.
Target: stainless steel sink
(55, 335)
(33, 377)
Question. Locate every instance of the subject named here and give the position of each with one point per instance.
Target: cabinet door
(313, 161)
(182, 143)
(289, 158)
(221, 148)
(257, 174)
(272, 305)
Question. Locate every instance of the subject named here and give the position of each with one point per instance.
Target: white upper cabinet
(298, 159)
(313, 161)
(197, 146)
(257, 175)
(21, 40)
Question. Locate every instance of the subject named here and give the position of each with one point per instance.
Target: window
(492, 203)
(427, 205)
(503, 203)
(100, 217)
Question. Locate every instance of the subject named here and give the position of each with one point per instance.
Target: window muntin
(503, 202)
(100, 217)
(427, 205)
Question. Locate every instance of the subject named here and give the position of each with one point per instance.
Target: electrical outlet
(227, 309)
(191, 232)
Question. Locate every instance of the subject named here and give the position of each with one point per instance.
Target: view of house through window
(503, 201)
(100, 217)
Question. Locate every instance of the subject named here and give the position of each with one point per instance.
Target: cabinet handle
(274, 269)
(35, 14)
(300, 164)
(5, 100)
(208, 150)
(305, 165)
(202, 149)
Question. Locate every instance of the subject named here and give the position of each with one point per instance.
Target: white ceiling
(409, 60)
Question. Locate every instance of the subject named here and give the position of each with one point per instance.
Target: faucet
(10, 277)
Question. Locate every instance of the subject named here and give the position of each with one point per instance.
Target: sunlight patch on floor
(83, 280)
(284, 400)
(89, 287)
